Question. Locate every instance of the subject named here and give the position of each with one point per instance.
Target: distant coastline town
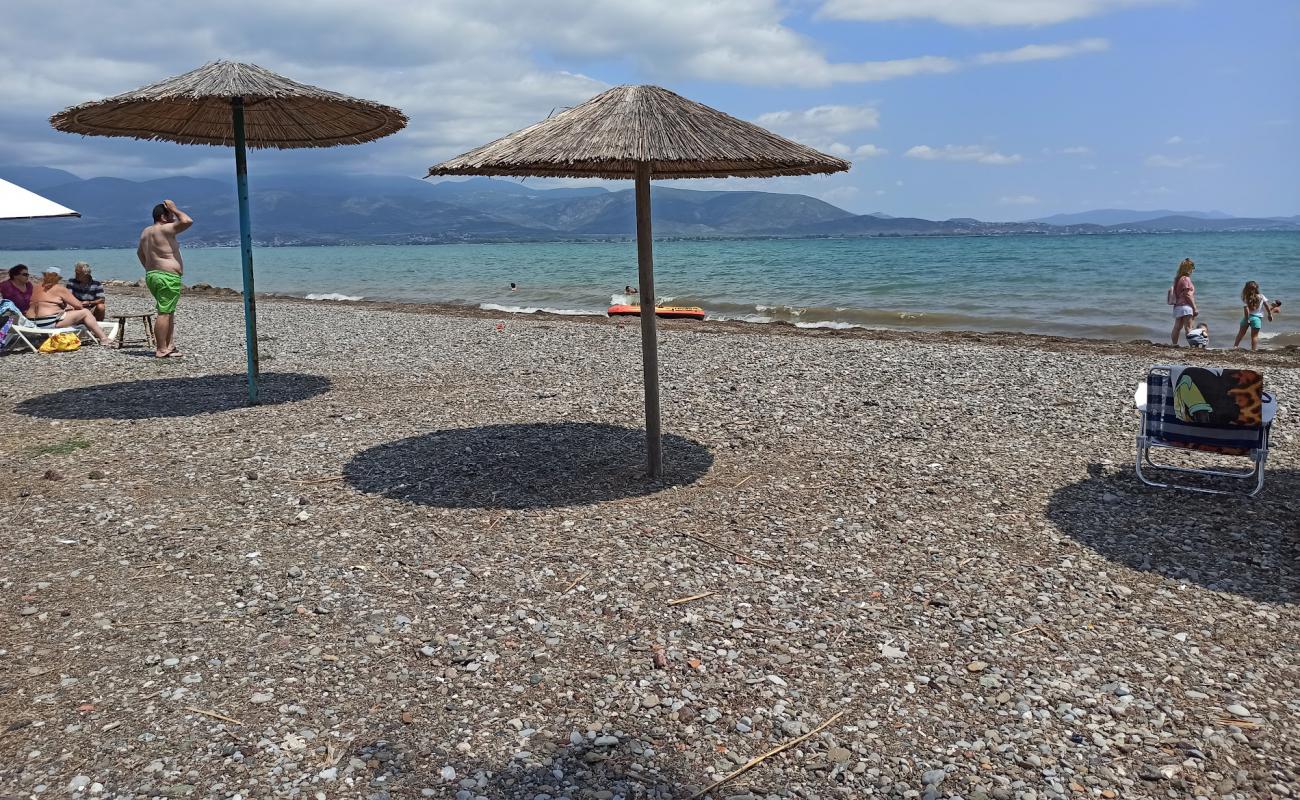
(317, 210)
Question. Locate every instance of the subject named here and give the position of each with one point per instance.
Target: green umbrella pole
(246, 248)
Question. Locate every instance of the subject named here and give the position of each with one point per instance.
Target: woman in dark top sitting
(18, 289)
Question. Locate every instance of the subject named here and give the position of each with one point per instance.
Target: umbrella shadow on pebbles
(522, 466)
(172, 397)
(1245, 546)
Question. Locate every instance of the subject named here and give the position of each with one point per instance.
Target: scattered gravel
(428, 566)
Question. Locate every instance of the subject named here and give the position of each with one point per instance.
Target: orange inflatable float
(667, 312)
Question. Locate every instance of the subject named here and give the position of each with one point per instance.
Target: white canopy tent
(18, 203)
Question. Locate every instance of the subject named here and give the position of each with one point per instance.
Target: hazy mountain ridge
(316, 209)
(1120, 216)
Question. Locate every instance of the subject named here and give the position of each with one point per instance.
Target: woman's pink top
(1183, 291)
(10, 291)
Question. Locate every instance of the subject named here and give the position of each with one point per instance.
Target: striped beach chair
(1225, 412)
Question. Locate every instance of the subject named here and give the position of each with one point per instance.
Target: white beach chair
(22, 331)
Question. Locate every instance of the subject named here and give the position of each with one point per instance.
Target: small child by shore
(1255, 306)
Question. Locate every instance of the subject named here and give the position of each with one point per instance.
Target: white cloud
(888, 70)
(962, 152)
(880, 192)
(1043, 52)
(464, 71)
(820, 126)
(1076, 151)
(975, 12)
(1158, 160)
(1174, 140)
(821, 121)
(1017, 200)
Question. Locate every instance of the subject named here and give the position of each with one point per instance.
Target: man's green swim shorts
(165, 288)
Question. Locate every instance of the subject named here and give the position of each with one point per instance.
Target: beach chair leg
(27, 342)
(1144, 454)
(1261, 457)
(1256, 474)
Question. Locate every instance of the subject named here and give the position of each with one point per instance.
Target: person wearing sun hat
(53, 306)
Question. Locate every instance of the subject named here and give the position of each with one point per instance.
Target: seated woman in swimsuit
(53, 306)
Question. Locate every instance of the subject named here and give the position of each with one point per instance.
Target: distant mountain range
(318, 209)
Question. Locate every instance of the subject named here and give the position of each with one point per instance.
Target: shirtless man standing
(160, 256)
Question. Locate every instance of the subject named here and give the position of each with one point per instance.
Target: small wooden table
(145, 319)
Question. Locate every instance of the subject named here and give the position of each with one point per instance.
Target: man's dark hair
(17, 268)
(159, 211)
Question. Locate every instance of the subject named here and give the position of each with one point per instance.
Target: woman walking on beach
(1254, 307)
(1182, 295)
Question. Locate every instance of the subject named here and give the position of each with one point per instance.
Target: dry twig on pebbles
(576, 581)
(313, 481)
(754, 762)
(954, 577)
(754, 559)
(173, 622)
(699, 596)
(214, 715)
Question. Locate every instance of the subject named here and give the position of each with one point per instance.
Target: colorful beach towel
(1217, 396)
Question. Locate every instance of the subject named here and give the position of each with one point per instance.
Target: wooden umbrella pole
(246, 248)
(649, 338)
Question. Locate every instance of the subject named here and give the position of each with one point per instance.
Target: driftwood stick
(309, 481)
(681, 600)
(213, 714)
(754, 559)
(754, 762)
(743, 481)
(576, 581)
(954, 577)
(173, 622)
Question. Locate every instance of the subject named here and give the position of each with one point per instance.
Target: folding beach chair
(1225, 412)
(23, 332)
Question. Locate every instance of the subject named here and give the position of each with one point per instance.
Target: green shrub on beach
(62, 448)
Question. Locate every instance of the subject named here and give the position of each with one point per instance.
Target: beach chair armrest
(1269, 409)
(1140, 396)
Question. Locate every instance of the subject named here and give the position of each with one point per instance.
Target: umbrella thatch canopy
(194, 108)
(19, 203)
(642, 132)
(239, 105)
(612, 133)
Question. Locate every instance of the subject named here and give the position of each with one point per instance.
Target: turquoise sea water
(1092, 286)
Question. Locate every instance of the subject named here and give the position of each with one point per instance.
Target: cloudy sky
(997, 109)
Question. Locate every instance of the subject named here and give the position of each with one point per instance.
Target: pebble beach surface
(428, 566)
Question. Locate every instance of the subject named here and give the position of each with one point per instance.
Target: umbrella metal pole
(246, 248)
(649, 338)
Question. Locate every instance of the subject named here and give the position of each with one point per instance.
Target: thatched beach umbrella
(642, 132)
(226, 103)
(19, 203)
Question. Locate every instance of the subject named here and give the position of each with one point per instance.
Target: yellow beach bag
(61, 343)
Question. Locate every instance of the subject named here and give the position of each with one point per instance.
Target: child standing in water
(1255, 307)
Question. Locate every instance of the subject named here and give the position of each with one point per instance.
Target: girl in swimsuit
(1254, 307)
